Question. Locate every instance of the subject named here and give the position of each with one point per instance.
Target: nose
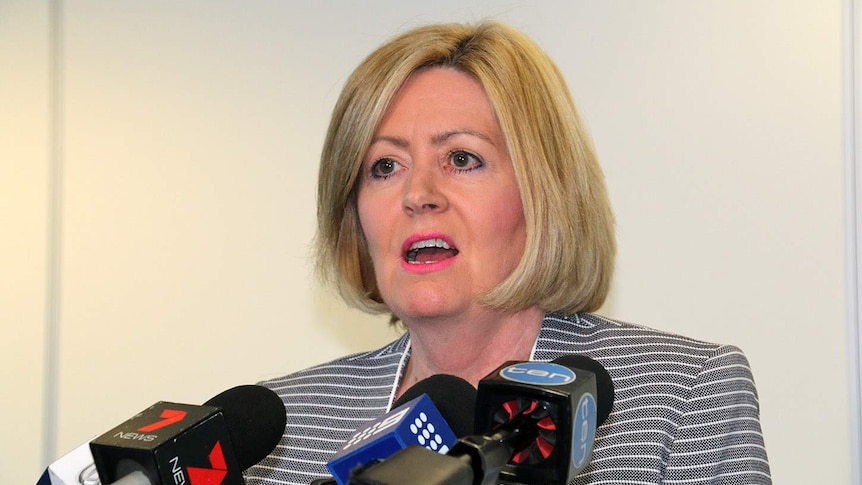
(422, 191)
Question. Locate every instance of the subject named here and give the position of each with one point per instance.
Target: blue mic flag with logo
(416, 422)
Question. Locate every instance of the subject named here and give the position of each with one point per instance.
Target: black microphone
(542, 419)
(539, 422)
(454, 397)
(431, 414)
(171, 443)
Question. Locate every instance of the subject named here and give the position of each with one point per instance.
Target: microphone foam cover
(255, 419)
(454, 397)
(604, 384)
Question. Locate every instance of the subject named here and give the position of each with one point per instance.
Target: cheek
(507, 229)
(366, 219)
(371, 222)
(514, 223)
(511, 213)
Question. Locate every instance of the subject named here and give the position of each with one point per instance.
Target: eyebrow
(437, 139)
(442, 137)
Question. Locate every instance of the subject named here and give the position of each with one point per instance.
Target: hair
(569, 251)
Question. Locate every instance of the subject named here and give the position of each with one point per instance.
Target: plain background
(158, 166)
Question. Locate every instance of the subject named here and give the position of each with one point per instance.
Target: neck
(469, 348)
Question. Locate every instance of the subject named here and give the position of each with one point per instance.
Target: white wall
(190, 138)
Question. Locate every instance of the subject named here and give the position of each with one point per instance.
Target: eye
(465, 161)
(383, 168)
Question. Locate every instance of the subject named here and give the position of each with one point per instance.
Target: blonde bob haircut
(569, 252)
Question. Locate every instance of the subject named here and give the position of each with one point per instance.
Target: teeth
(429, 243)
(426, 243)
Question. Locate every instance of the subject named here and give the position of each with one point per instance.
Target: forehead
(440, 98)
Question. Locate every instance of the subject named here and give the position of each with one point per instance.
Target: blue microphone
(416, 422)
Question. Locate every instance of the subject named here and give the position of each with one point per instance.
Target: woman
(459, 192)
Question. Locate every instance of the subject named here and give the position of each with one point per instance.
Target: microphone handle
(416, 465)
(134, 478)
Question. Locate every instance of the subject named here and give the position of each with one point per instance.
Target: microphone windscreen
(255, 419)
(604, 384)
(454, 397)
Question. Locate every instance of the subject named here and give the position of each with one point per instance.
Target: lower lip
(427, 267)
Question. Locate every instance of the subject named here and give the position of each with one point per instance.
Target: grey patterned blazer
(685, 411)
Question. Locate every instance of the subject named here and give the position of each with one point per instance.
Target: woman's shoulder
(626, 345)
(679, 403)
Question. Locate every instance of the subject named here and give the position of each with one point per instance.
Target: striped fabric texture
(685, 411)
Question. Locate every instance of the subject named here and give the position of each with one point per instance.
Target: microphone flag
(170, 443)
(560, 401)
(416, 422)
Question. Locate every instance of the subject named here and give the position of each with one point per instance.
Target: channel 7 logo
(169, 417)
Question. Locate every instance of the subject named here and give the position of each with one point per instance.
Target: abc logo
(542, 373)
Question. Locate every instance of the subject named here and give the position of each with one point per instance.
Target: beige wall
(190, 136)
(25, 148)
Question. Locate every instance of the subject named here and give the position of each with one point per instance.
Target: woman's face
(438, 201)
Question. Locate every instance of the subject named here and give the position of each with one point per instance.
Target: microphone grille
(454, 397)
(255, 419)
(604, 384)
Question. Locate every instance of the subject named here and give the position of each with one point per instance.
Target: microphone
(172, 443)
(540, 419)
(427, 415)
(454, 397)
(74, 468)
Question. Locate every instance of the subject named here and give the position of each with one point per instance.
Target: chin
(429, 307)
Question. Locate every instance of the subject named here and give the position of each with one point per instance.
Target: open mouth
(428, 251)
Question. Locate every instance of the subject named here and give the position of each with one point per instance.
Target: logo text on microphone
(376, 428)
(543, 373)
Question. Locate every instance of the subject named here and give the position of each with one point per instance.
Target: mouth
(429, 251)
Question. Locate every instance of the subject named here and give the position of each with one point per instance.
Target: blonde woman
(459, 192)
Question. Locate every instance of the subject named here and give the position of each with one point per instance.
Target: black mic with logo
(535, 423)
(171, 443)
(542, 419)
